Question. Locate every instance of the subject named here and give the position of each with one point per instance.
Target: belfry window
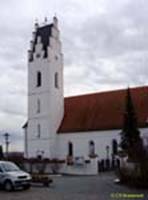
(38, 131)
(56, 80)
(38, 106)
(39, 79)
(70, 149)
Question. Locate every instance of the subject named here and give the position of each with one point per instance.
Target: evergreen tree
(130, 135)
(132, 144)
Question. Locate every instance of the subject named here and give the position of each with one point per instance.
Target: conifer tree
(131, 142)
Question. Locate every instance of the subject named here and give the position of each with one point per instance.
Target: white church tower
(45, 90)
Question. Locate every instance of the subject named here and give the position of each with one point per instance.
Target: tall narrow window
(114, 147)
(91, 148)
(38, 106)
(38, 130)
(39, 79)
(70, 149)
(56, 80)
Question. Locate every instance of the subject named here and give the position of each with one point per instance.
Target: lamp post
(7, 142)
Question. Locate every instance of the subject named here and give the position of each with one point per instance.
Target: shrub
(137, 177)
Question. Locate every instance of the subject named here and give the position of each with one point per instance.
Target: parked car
(12, 177)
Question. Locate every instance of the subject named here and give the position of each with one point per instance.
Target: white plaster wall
(40, 145)
(86, 169)
(25, 142)
(81, 140)
(81, 148)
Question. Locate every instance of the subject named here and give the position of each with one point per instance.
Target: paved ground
(99, 187)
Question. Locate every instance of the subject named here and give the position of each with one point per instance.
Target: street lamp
(7, 142)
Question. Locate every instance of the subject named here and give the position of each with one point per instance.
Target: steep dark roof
(102, 111)
(45, 33)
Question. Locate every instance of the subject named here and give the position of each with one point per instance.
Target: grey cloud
(10, 105)
(13, 111)
(115, 38)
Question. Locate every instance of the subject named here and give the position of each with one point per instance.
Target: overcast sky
(105, 46)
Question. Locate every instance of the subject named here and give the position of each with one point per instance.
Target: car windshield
(10, 167)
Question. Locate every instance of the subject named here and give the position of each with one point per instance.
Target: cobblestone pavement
(99, 187)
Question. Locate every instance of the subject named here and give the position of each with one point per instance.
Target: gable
(102, 111)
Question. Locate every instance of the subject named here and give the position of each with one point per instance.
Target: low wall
(90, 168)
(39, 165)
(77, 166)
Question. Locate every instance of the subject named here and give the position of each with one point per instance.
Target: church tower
(45, 90)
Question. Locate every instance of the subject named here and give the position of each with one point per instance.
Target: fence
(34, 165)
(108, 164)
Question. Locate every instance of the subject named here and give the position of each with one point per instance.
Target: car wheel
(27, 187)
(46, 184)
(8, 186)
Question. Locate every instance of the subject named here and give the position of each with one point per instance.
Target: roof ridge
(105, 92)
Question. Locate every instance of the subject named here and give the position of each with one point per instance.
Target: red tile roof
(103, 111)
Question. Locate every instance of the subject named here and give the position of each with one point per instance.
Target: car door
(2, 175)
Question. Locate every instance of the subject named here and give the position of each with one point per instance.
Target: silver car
(12, 177)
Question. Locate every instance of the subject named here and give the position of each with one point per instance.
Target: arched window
(38, 106)
(39, 79)
(38, 131)
(114, 147)
(91, 148)
(70, 149)
(56, 80)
